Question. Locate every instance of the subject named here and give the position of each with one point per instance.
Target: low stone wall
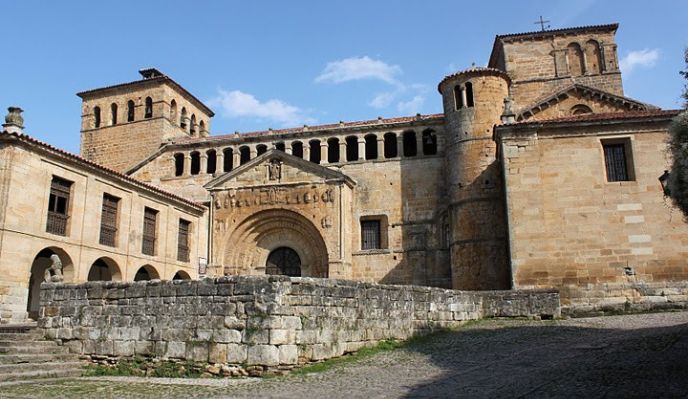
(272, 322)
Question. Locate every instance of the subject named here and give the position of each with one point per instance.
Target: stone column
(307, 151)
(236, 157)
(419, 143)
(380, 147)
(287, 148)
(464, 101)
(323, 152)
(342, 151)
(204, 163)
(187, 164)
(400, 145)
(219, 160)
(361, 148)
(253, 152)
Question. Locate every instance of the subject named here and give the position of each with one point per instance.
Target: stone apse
(279, 214)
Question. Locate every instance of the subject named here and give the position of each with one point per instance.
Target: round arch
(181, 275)
(250, 244)
(145, 273)
(104, 269)
(41, 263)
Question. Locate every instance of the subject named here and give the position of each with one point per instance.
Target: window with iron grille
(149, 225)
(108, 220)
(58, 206)
(183, 240)
(617, 160)
(370, 234)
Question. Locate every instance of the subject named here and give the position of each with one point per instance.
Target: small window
(469, 94)
(314, 148)
(333, 150)
(390, 145)
(261, 149)
(148, 113)
(113, 114)
(244, 154)
(130, 111)
(108, 221)
(183, 240)
(371, 146)
(429, 142)
(211, 165)
(193, 124)
(195, 163)
(352, 148)
(410, 145)
(618, 160)
(96, 116)
(280, 147)
(580, 109)
(297, 149)
(173, 111)
(228, 160)
(182, 119)
(458, 97)
(370, 234)
(178, 164)
(58, 206)
(150, 217)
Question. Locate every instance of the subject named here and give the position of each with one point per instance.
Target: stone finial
(14, 122)
(508, 115)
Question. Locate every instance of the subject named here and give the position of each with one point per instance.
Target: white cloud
(412, 106)
(237, 104)
(382, 100)
(359, 68)
(646, 58)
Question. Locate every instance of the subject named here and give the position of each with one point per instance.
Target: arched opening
(458, 99)
(130, 111)
(574, 56)
(173, 111)
(211, 165)
(244, 154)
(201, 127)
(113, 114)
(297, 149)
(261, 149)
(182, 118)
(178, 164)
(228, 159)
(148, 113)
(96, 116)
(580, 109)
(429, 142)
(104, 269)
(469, 94)
(352, 148)
(146, 273)
(333, 150)
(409, 138)
(192, 126)
(283, 261)
(370, 146)
(279, 146)
(40, 265)
(195, 163)
(593, 57)
(314, 147)
(181, 275)
(390, 145)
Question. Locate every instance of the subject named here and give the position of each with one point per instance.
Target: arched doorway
(284, 261)
(40, 264)
(104, 269)
(146, 273)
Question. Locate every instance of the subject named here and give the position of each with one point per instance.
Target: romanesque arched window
(261, 149)
(96, 116)
(370, 146)
(458, 98)
(201, 127)
(173, 111)
(182, 119)
(148, 113)
(192, 125)
(130, 111)
(280, 146)
(195, 163)
(469, 94)
(297, 149)
(333, 150)
(178, 164)
(580, 109)
(352, 148)
(244, 154)
(429, 142)
(593, 57)
(228, 159)
(113, 114)
(211, 165)
(574, 57)
(410, 148)
(314, 147)
(390, 145)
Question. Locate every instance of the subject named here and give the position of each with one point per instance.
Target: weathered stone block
(264, 355)
(288, 354)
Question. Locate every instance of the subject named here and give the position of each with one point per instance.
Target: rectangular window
(149, 225)
(618, 160)
(108, 220)
(183, 240)
(58, 206)
(370, 234)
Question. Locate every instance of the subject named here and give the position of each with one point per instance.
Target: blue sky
(262, 64)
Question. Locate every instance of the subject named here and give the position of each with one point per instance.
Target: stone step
(17, 328)
(24, 348)
(13, 336)
(23, 367)
(36, 358)
(38, 374)
(37, 343)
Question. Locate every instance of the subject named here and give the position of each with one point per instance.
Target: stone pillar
(307, 151)
(323, 152)
(187, 164)
(219, 161)
(287, 148)
(464, 101)
(380, 147)
(253, 152)
(236, 157)
(361, 148)
(419, 143)
(342, 151)
(400, 145)
(204, 163)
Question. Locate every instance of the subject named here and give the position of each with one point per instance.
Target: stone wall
(269, 322)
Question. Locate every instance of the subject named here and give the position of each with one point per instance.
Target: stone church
(539, 173)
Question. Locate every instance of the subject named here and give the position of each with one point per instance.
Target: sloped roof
(600, 118)
(476, 71)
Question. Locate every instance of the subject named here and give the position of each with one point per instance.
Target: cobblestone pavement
(621, 356)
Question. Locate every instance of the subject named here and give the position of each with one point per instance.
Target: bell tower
(123, 124)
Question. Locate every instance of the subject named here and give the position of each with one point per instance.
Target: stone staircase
(26, 355)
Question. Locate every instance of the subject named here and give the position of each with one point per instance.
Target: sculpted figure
(53, 274)
(275, 170)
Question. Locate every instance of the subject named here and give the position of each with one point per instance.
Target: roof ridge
(600, 117)
(614, 25)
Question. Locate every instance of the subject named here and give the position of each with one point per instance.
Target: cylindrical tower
(473, 101)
